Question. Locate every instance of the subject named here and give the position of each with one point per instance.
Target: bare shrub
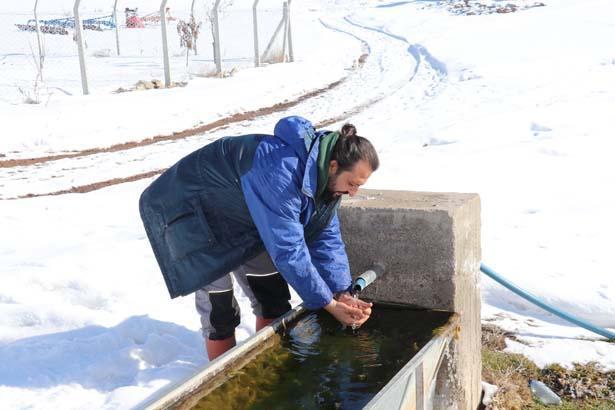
(188, 32)
(33, 95)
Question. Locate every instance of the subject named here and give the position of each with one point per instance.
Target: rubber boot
(216, 348)
(261, 322)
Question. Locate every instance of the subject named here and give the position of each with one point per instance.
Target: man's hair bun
(351, 148)
(348, 130)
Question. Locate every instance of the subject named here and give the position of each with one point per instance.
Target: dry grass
(510, 372)
(274, 56)
(209, 70)
(494, 337)
(205, 71)
(582, 387)
(588, 381)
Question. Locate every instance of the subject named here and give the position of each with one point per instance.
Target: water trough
(431, 246)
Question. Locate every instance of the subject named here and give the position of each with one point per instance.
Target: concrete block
(430, 244)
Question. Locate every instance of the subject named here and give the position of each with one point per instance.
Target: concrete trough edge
(181, 394)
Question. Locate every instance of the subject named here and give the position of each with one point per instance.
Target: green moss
(317, 364)
(262, 374)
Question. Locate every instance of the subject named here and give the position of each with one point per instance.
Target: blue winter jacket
(230, 200)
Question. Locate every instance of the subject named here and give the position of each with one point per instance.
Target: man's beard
(331, 193)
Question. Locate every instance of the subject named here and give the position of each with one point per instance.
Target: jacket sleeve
(329, 257)
(274, 200)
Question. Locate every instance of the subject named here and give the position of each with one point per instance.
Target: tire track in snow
(428, 74)
(428, 79)
(220, 123)
(418, 51)
(379, 77)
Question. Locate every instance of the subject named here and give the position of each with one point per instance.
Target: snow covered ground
(515, 106)
(66, 120)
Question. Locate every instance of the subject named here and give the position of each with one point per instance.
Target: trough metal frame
(411, 388)
(414, 385)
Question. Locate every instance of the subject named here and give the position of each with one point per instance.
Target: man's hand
(349, 300)
(347, 314)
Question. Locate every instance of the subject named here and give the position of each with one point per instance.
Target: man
(265, 208)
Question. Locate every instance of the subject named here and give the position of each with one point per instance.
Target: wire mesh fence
(20, 61)
(123, 47)
(238, 50)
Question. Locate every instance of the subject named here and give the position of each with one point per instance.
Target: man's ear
(333, 166)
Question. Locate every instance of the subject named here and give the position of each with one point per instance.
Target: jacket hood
(297, 132)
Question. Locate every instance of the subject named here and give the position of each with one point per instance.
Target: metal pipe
(216, 29)
(257, 57)
(543, 305)
(117, 28)
(165, 44)
(81, 48)
(368, 277)
(38, 39)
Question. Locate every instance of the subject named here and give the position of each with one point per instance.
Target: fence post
(285, 37)
(117, 28)
(216, 23)
(257, 57)
(194, 20)
(38, 39)
(291, 53)
(81, 48)
(165, 44)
